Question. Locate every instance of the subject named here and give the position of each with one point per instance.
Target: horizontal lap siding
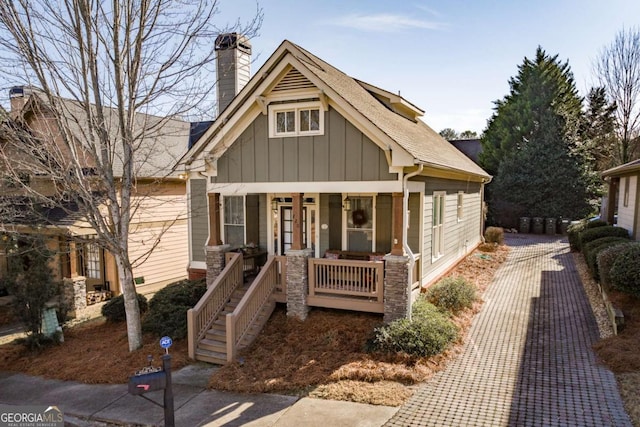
(343, 153)
(199, 217)
(459, 236)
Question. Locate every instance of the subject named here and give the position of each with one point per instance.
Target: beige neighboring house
(624, 197)
(160, 197)
(337, 186)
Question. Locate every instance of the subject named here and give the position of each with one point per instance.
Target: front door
(286, 225)
(91, 265)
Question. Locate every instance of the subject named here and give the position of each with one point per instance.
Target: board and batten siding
(199, 218)
(460, 236)
(343, 153)
(627, 214)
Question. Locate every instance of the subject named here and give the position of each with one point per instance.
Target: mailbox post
(152, 379)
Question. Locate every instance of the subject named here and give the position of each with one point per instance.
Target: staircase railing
(201, 317)
(246, 314)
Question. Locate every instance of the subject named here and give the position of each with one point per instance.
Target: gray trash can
(550, 226)
(537, 225)
(525, 224)
(564, 225)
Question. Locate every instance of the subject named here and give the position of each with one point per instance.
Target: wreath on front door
(359, 217)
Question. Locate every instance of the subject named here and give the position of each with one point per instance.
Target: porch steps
(213, 347)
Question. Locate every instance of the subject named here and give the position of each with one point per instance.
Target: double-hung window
(297, 119)
(437, 238)
(234, 220)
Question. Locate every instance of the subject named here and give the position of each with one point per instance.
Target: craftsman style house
(624, 197)
(158, 222)
(350, 198)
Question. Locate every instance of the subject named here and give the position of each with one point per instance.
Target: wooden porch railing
(417, 273)
(247, 314)
(281, 283)
(360, 283)
(201, 317)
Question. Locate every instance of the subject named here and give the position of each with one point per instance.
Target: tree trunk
(132, 311)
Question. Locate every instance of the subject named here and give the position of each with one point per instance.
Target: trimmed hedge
(428, 333)
(596, 223)
(573, 233)
(593, 248)
(168, 308)
(625, 272)
(494, 235)
(592, 234)
(452, 294)
(607, 257)
(114, 311)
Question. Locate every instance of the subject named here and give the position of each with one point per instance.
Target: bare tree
(112, 78)
(617, 69)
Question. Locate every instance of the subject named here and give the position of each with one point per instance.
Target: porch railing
(281, 283)
(416, 273)
(201, 317)
(361, 281)
(246, 315)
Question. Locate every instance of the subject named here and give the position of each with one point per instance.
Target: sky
(452, 59)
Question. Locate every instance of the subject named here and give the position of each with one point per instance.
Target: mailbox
(140, 384)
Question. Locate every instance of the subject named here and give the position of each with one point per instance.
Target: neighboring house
(161, 201)
(322, 171)
(470, 147)
(623, 198)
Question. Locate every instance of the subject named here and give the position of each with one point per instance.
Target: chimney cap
(233, 41)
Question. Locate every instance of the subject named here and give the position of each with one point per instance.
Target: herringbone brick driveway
(528, 359)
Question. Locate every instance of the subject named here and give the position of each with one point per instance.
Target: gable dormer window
(296, 119)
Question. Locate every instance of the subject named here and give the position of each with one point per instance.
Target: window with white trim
(299, 119)
(437, 237)
(234, 220)
(460, 205)
(625, 199)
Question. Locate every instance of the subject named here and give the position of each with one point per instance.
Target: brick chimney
(233, 66)
(18, 95)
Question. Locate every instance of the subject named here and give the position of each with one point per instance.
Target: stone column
(397, 298)
(75, 294)
(298, 283)
(215, 261)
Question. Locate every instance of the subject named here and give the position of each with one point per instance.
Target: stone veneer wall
(215, 261)
(298, 283)
(396, 289)
(75, 294)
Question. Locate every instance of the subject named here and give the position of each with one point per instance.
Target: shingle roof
(422, 142)
(632, 166)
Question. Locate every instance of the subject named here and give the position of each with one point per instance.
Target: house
(623, 197)
(470, 147)
(88, 270)
(351, 198)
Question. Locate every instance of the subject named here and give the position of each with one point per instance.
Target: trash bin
(550, 226)
(538, 225)
(564, 225)
(525, 224)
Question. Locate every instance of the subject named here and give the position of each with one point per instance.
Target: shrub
(607, 257)
(494, 235)
(596, 223)
(168, 308)
(452, 294)
(573, 233)
(592, 234)
(114, 311)
(428, 333)
(625, 272)
(593, 248)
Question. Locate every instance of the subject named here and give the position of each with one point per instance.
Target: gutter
(405, 244)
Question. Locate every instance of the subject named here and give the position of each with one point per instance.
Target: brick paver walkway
(528, 358)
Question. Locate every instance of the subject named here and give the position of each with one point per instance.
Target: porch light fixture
(274, 204)
(346, 204)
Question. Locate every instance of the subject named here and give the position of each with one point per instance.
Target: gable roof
(627, 168)
(393, 130)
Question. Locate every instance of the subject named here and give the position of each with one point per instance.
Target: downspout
(405, 244)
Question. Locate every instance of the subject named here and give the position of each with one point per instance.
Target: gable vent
(293, 80)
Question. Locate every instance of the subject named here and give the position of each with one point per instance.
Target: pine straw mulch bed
(96, 352)
(325, 355)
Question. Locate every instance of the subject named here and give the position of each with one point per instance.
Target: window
(437, 238)
(304, 118)
(360, 224)
(626, 192)
(234, 220)
(460, 205)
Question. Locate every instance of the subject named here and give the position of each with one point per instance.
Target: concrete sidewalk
(104, 405)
